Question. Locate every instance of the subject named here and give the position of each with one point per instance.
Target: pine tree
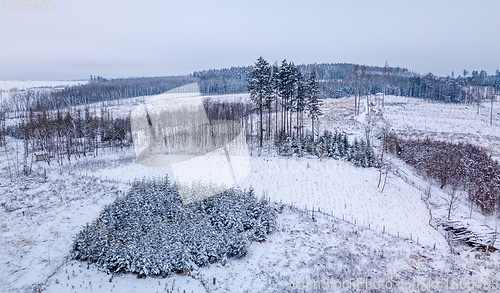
(385, 73)
(269, 105)
(337, 138)
(345, 146)
(283, 88)
(287, 87)
(361, 154)
(295, 76)
(275, 77)
(370, 156)
(300, 103)
(496, 91)
(313, 104)
(260, 88)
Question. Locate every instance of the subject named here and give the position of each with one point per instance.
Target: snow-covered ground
(304, 255)
(124, 107)
(418, 118)
(8, 88)
(334, 187)
(361, 230)
(40, 215)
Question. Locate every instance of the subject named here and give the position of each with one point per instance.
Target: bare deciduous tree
(452, 200)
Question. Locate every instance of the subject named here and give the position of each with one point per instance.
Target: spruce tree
(260, 88)
(345, 146)
(287, 90)
(370, 156)
(361, 154)
(314, 104)
(300, 103)
(275, 77)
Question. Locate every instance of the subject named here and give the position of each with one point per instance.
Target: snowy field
(124, 107)
(335, 187)
(7, 85)
(417, 118)
(358, 231)
(305, 255)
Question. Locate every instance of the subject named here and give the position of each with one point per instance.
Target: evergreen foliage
(260, 89)
(150, 232)
(313, 104)
(333, 145)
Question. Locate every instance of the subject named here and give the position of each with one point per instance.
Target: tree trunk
(261, 126)
(312, 122)
(269, 124)
(298, 124)
(491, 110)
(276, 121)
(355, 103)
(382, 159)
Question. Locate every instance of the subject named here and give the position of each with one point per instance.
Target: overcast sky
(125, 38)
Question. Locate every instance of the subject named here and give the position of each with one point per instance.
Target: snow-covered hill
(417, 118)
(360, 229)
(332, 186)
(305, 255)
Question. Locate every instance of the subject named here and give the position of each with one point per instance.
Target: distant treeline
(99, 89)
(222, 81)
(335, 80)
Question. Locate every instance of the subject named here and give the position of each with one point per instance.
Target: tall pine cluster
(294, 94)
(291, 93)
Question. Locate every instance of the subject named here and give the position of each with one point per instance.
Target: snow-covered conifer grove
(150, 232)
